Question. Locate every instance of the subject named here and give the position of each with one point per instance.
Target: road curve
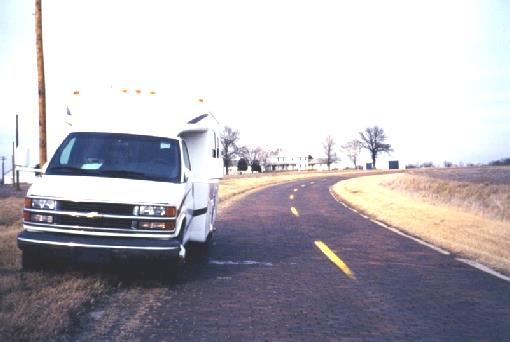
(290, 263)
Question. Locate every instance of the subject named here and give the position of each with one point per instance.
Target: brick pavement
(266, 280)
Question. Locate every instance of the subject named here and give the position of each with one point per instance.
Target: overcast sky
(434, 74)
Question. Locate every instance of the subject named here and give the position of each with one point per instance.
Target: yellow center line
(294, 211)
(291, 196)
(335, 259)
(296, 190)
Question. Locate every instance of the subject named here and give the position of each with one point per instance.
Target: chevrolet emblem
(93, 214)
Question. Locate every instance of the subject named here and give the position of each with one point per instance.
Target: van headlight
(43, 203)
(39, 204)
(155, 211)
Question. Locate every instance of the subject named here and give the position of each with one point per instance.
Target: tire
(198, 252)
(30, 261)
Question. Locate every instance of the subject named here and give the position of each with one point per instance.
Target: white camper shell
(137, 187)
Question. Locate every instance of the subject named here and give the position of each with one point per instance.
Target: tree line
(373, 139)
(249, 157)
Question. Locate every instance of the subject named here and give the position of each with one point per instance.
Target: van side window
(185, 155)
(66, 152)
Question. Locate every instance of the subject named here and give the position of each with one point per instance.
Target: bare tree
(373, 140)
(256, 153)
(229, 139)
(266, 157)
(243, 152)
(255, 156)
(353, 150)
(328, 146)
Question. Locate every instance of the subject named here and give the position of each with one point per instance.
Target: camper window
(187, 162)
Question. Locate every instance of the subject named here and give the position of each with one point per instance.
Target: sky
(433, 74)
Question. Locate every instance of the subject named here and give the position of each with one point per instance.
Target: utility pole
(17, 132)
(17, 145)
(3, 170)
(41, 83)
(13, 166)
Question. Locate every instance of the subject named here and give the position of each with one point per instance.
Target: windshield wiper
(67, 168)
(123, 174)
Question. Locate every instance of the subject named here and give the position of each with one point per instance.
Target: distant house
(320, 164)
(285, 161)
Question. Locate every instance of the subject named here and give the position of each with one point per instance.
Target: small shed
(393, 165)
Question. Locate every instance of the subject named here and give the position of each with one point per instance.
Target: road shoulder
(449, 228)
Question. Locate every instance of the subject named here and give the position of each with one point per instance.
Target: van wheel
(198, 252)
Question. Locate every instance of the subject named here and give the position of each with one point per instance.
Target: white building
(285, 161)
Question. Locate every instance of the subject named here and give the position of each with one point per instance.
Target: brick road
(265, 279)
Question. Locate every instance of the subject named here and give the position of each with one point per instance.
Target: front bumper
(114, 246)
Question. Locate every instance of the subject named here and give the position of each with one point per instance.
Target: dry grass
(35, 305)
(38, 305)
(10, 210)
(486, 197)
(499, 175)
(458, 230)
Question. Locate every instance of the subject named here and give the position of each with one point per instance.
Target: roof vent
(197, 119)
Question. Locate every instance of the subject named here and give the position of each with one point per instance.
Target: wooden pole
(3, 170)
(13, 166)
(17, 145)
(17, 132)
(41, 83)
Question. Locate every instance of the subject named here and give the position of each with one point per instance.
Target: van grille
(102, 208)
(95, 222)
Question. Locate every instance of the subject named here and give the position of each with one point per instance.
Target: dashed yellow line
(335, 259)
(303, 185)
(296, 190)
(291, 196)
(294, 211)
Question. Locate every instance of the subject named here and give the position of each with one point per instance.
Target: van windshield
(118, 156)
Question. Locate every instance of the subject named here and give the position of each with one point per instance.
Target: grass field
(481, 191)
(42, 305)
(465, 211)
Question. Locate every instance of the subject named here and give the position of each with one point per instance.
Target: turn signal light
(171, 212)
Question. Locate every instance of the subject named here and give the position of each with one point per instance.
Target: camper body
(126, 189)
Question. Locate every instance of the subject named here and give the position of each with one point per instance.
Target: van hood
(112, 190)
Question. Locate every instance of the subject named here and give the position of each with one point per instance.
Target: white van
(136, 187)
